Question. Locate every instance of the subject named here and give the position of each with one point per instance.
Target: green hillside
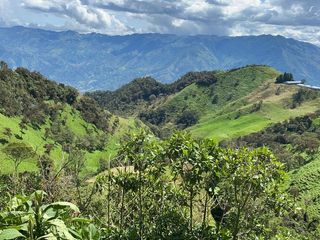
(271, 103)
(219, 105)
(40, 113)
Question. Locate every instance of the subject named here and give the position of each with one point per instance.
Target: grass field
(227, 126)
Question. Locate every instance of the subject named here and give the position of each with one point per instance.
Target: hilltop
(219, 104)
(100, 62)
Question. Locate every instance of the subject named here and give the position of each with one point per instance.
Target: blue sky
(290, 18)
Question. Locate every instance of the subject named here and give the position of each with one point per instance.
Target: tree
(167, 189)
(18, 152)
(188, 118)
(286, 77)
(7, 132)
(246, 188)
(3, 66)
(189, 162)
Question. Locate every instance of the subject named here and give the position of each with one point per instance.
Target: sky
(299, 19)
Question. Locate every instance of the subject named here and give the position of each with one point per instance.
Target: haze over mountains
(95, 61)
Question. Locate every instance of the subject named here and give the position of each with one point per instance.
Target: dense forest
(262, 185)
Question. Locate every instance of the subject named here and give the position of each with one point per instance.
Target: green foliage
(171, 190)
(92, 113)
(128, 96)
(29, 94)
(38, 112)
(288, 140)
(296, 143)
(26, 217)
(188, 118)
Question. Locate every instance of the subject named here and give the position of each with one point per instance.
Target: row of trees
(286, 77)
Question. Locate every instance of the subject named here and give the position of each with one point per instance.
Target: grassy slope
(229, 87)
(126, 125)
(237, 120)
(237, 92)
(76, 124)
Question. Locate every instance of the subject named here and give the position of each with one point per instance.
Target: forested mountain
(95, 61)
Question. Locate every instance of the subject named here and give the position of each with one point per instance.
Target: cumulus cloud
(85, 17)
(221, 17)
(291, 18)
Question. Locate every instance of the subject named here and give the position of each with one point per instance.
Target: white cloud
(86, 17)
(292, 18)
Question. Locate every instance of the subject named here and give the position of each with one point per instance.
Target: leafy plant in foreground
(28, 218)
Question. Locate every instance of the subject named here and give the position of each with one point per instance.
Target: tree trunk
(122, 209)
(205, 212)
(109, 189)
(236, 226)
(140, 207)
(191, 208)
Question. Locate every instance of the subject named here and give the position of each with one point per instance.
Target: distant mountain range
(95, 61)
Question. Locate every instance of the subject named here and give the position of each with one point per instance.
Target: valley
(178, 140)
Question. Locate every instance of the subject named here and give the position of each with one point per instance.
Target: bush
(188, 118)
